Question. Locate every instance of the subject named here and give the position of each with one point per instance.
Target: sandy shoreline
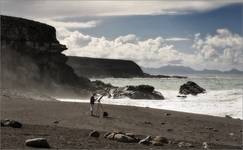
(74, 124)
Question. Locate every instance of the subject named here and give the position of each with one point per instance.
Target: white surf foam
(216, 103)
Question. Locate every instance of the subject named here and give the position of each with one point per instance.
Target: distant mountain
(182, 70)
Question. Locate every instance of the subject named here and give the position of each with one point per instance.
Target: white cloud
(52, 9)
(149, 53)
(175, 39)
(222, 50)
(58, 24)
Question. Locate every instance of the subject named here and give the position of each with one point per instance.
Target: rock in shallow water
(191, 88)
(136, 92)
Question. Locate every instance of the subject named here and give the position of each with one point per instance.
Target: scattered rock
(228, 116)
(167, 114)
(182, 96)
(56, 122)
(37, 142)
(231, 134)
(160, 139)
(169, 130)
(94, 134)
(107, 134)
(10, 123)
(184, 144)
(205, 145)
(124, 138)
(136, 92)
(147, 122)
(146, 141)
(191, 88)
(131, 135)
(111, 136)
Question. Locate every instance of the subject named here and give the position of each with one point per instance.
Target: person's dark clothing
(92, 100)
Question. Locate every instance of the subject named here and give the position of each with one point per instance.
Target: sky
(198, 34)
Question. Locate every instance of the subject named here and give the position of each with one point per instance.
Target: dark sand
(74, 124)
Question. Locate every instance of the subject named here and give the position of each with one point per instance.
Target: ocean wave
(215, 103)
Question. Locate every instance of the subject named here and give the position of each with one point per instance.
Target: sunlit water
(223, 97)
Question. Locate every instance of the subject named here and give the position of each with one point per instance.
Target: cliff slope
(31, 59)
(97, 67)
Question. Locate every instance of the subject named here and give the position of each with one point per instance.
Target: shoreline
(39, 116)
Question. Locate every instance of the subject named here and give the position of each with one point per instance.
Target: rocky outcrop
(191, 88)
(99, 68)
(136, 92)
(32, 59)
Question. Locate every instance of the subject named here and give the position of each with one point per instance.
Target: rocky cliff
(96, 67)
(31, 59)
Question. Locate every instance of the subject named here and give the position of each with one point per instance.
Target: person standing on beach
(92, 102)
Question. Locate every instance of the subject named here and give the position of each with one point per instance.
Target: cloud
(71, 25)
(175, 39)
(52, 9)
(222, 50)
(152, 52)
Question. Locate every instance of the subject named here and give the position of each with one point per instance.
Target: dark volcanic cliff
(31, 59)
(96, 67)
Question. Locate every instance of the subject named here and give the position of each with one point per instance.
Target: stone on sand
(124, 138)
(94, 134)
(37, 142)
(146, 141)
(10, 123)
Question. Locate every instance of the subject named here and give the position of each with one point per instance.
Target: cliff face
(31, 58)
(95, 67)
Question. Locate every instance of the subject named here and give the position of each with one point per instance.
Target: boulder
(94, 134)
(191, 88)
(136, 92)
(37, 142)
(10, 123)
(146, 141)
(159, 141)
(111, 136)
(124, 138)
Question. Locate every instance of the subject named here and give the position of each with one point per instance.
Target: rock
(231, 134)
(136, 92)
(169, 130)
(191, 88)
(184, 144)
(182, 96)
(147, 122)
(111, 136)
(205, 145)
(167, 114)
(124, 138)
(146, 141)
(37, 142)
(160, 139)
(131, 135)
(94, 134)
(107, 134)
(10, 123)
(228, 116)
(37, 63)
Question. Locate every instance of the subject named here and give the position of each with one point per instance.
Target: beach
(66, 125)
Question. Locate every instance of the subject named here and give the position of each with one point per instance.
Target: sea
(224, 94)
